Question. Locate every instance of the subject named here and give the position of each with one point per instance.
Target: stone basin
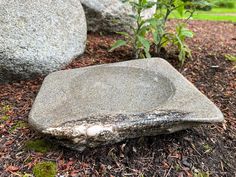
(105, 104)
(120, 90)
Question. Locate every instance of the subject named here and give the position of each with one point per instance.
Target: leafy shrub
(200, 5)
(137, 38)
(162, 37)
(225, 4)
(140, 39)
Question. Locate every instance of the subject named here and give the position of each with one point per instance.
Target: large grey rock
(38, 37)
(105, 104)
(110, 15)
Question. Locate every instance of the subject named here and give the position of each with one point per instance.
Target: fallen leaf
(12, 168)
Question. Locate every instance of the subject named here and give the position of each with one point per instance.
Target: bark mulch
(205, 150)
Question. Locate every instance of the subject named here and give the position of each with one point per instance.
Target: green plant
(179, 40)
(200, 5)
(18, 125)
(162, 37)
(38, 145)
(230, 58)
(140, 40)
(45, 169)
(137, 38)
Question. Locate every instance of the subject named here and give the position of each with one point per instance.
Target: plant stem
(138, 21)
(168, 12)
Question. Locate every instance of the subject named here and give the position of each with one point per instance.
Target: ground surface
(216, 14)
(209, 149)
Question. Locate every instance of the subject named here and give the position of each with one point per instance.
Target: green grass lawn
(214, 17)
(222, 10)
(216, 14)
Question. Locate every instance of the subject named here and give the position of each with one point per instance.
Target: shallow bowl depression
(120, 90)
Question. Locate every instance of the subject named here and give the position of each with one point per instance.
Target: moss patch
(201, 174)
(45, 169)
(18, 125)
(4, 110)
(38, 145)
(5, 117)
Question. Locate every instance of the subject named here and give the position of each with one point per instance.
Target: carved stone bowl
(105, 104)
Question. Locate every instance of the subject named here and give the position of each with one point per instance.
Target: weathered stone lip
(191, 119)
(57, 108)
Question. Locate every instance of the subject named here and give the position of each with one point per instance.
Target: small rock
(186, 163)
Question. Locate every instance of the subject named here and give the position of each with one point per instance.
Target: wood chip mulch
(207, 150)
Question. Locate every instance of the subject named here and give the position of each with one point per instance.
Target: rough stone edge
(82, 134)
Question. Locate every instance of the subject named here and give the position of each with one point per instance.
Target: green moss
(5, 108)
(201, 174)
(38, 145)
(23, 174)
(177, 167)
(5, 117)
(19, 125)
(207, 148)
(45, 169)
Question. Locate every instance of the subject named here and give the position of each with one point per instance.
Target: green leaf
(122, 33)
(182, 31)
(179, 4)
(146, 45)
(182, 56)
(152, 22)
(149, 5)
(143, 30)
(147, 53)
(165, 40)
(117, 44)
(144, 42)
(231, 58)
(184, 52)
(156, 37)
(132, 16)
(187, 33)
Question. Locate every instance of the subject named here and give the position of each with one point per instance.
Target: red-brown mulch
(208, 148)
